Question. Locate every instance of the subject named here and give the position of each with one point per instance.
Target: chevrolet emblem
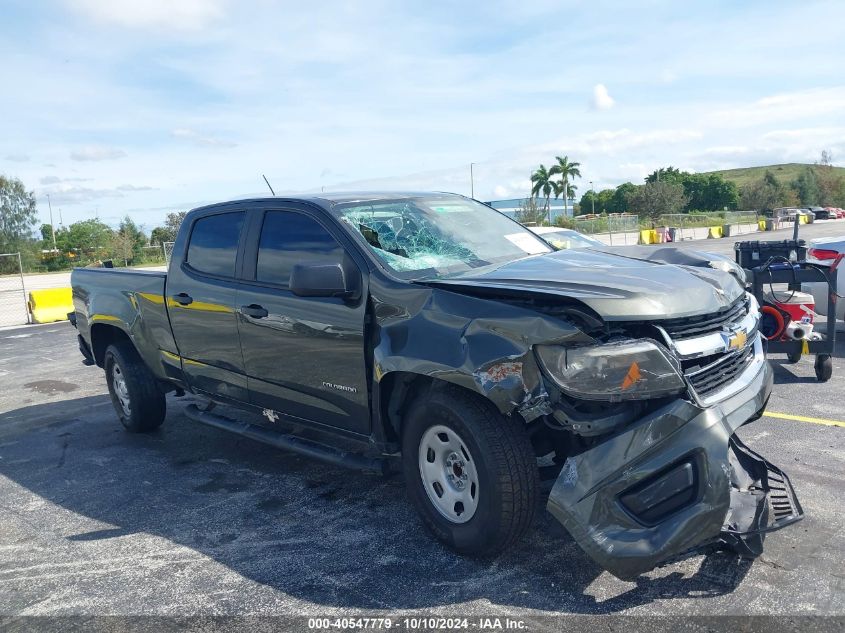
(738, 340)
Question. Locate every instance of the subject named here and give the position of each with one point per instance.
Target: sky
(115, 107)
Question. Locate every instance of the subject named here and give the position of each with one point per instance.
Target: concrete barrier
(648, 236)
(47, 306)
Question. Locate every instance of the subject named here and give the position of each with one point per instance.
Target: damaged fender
(479, 344)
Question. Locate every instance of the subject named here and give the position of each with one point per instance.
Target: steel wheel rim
(449, 474)
(121, 391)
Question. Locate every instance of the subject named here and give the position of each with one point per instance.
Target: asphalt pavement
(191, 520)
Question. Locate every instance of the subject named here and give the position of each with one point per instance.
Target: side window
(214, 244)
(289, 238)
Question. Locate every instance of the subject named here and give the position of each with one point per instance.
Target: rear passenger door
(201, 291)
(304, 356)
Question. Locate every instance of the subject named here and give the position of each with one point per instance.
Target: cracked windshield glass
(436, 236)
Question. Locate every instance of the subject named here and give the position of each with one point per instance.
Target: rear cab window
(213, 246)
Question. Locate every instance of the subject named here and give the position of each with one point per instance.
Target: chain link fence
(12, 291)
(167, 247)
(691, 226)
(613, 229)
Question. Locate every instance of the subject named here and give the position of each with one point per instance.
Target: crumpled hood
(616, 287)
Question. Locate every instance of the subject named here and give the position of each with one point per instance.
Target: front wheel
(471, 472)
(139, 403)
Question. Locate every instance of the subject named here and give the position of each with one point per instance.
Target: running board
(289, 442)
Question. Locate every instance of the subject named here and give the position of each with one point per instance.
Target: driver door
(304, 356)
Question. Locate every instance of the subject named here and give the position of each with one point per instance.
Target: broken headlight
(625, 370)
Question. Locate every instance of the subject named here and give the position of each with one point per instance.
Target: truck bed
(132, 301)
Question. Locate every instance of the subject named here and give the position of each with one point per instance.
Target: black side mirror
(321, 280)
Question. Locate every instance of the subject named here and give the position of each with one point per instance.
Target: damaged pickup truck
(430, 332)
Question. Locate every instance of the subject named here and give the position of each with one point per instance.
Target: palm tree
(568, 171)
(558, 189)
(541, 181)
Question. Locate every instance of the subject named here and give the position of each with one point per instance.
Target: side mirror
(321, 280)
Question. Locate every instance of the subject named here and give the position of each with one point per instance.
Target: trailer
(784, 263)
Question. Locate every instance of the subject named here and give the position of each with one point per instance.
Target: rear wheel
(139, 403)
(471, 472)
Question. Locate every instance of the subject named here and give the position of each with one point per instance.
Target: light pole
(52, 228)
(471, 182)
(593, 197)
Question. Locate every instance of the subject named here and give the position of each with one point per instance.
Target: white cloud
(668, 76)
(791, 106)
(198, 139)
(97, 153)
(188, 15)
(135, 188)
(501, 192)
(55, 180)
(601, 99)
(18, 158)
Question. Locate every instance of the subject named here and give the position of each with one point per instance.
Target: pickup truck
(429, 333)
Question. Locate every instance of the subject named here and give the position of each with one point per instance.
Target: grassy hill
(785, 173)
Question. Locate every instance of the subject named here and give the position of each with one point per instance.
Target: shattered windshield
(438, 235)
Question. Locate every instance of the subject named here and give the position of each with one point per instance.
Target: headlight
(627, 370)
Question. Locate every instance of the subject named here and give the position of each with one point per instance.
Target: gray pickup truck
(430, 334)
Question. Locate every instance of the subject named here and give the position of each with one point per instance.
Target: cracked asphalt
(191, 520)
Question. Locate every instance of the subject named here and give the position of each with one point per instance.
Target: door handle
(183, 298)
(254, 311)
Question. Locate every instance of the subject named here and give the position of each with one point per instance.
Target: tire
(139, 403)
(823, 367)
(794, 357)
(492, 451)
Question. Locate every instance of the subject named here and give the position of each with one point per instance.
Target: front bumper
(674, 482)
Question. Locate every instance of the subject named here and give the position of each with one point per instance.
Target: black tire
(505, 464)
(146, 402)
(794, 356)
(823, 367)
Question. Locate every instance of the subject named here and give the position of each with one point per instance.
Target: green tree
(128, 241)
(706, 192)
(570, 193)
(529, 213)
(666, 174)
(807, 187)
(588, 202)
(168, 232)
(604, 200)
(620, 197)
(541, 182)
(657, 198)
(567, 171)
(831, 185)
(760, 195)
(18, 218)
(46, 236)
(86, 239)
(709, 192)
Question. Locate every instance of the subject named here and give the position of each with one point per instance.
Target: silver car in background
(824, 251)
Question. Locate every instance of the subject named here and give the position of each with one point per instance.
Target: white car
(562, 239)
(824, 251)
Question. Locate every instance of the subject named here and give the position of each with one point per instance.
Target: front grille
(707, 324)
(712, 377)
